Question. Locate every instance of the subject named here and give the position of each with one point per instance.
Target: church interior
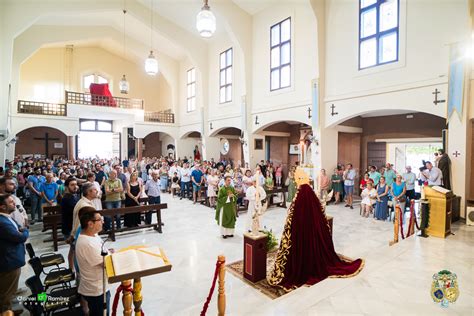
(228, 157)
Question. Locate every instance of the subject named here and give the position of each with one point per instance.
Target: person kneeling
(90, 261)
(369, 196)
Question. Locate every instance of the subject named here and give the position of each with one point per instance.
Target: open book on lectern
(135, 260)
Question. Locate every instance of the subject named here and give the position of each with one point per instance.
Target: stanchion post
(395, 226)
(221, 295)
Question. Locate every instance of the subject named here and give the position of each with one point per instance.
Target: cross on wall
(456, 154)
(436, 101)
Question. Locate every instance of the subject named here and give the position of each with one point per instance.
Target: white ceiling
(135, 29)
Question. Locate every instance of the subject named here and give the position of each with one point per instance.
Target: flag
(456, 79)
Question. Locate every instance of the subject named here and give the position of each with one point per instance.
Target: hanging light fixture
(206, 21)
(151, 64)
(124, 86)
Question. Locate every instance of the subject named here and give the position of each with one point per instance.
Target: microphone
(104, 252)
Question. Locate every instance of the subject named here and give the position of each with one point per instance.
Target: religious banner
(456, 79)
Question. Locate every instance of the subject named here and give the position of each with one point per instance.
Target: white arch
(70, 127)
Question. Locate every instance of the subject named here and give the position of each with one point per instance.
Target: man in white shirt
(185, 175)
(89, 193)
(431, 174)
(89, 247)
(410, 178)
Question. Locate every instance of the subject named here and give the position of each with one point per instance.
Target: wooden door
(376, 154)
(349, 149)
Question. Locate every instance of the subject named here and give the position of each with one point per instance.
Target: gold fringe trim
(277, 273)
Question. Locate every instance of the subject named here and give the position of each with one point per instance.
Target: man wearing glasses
(88, 255)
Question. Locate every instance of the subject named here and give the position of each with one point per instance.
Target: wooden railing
(102, 100)
(160, 117)
(42, 108)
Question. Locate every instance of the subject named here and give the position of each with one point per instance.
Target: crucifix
(456, 154)
(210, 126)
(436, 101)
(46, 139)
(309, 112)
(256, 120)
(332, 110)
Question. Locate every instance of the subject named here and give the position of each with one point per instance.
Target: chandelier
(124, 86)
(151, 64)
(206, 21)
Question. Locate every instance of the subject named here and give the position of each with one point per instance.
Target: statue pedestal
(255, 257)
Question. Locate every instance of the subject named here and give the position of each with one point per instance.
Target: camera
(423, 168)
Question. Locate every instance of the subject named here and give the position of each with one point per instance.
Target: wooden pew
(53, 221)
(271, 193)
(154, 208)
(50, 210)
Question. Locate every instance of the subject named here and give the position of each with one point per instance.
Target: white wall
(426, 29)
(303, 53)
(229, 109)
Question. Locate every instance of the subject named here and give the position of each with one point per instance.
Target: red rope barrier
(401, 222)
(412, 206)
(211, 290)
(121, 289)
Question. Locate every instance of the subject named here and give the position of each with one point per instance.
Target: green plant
(272, 241)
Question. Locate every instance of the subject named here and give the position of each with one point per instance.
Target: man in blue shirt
(35, 181)
(49, 191)
(197, 179)
(12, 252)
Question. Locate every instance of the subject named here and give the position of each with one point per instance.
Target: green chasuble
(229, 209)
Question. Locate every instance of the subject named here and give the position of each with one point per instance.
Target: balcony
(102, 100)
(160, 117)
(41, 108)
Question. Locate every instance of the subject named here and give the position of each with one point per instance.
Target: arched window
(92, 78)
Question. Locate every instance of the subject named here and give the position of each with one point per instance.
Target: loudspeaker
(470, 216)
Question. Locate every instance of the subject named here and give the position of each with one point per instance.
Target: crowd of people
(84, 186)
(381, 187)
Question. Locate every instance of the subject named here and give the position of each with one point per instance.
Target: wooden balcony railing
(102, 100)
(160, 117)
(42, 108)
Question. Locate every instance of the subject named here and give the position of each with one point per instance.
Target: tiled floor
(395, 281)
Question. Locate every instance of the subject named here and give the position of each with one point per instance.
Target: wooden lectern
(440, 201)
(255, 256)
(126, 278)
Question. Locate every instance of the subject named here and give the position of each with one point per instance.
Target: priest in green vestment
(226, 208)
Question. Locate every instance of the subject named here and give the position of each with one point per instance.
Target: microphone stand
(104, 253)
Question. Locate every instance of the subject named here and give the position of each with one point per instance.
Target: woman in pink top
(278, 173)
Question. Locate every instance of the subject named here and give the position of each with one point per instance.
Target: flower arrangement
(272, 241)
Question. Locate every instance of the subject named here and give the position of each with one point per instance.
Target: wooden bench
(52, 220)
(135, 209)
(50, 210)
(271, 194)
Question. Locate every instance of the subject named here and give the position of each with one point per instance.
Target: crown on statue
(301, 177)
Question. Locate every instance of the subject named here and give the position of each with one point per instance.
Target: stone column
(71, 147)
(139, 148)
